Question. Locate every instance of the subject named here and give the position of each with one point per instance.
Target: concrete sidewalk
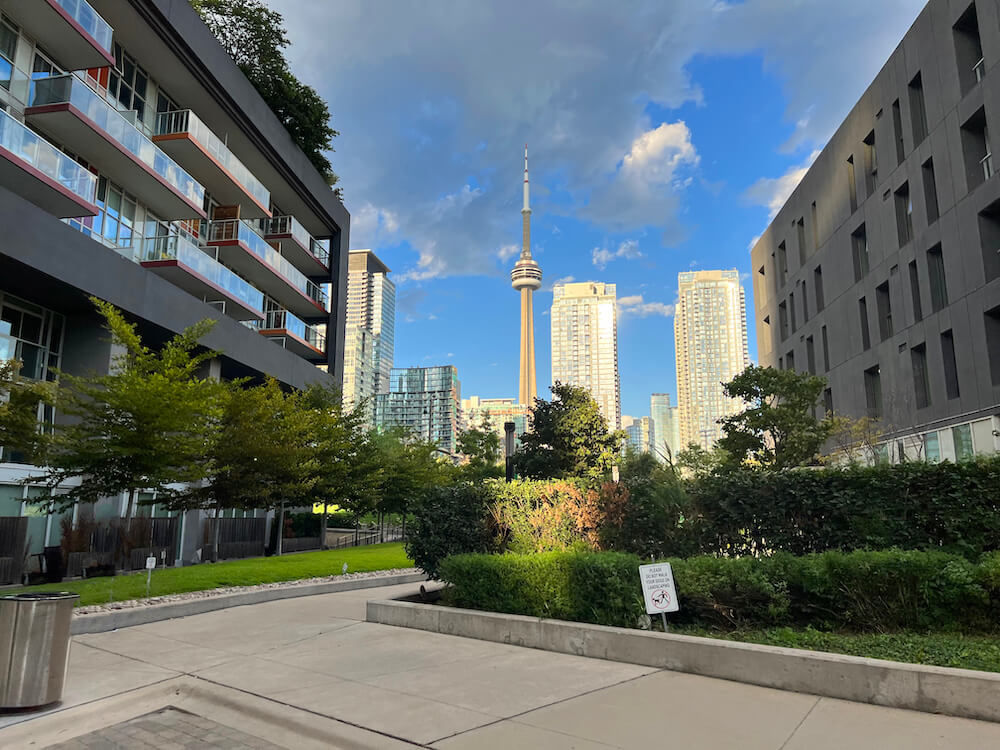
(310, 672)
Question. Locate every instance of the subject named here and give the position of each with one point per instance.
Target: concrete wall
(929, 48)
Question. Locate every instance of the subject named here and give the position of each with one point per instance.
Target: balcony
(185, 265)
(14, 80)
(81, 120)
(294, 335)
(72, 27)
(241, 248)
(186, 138)
(296, 243)
(39, 172)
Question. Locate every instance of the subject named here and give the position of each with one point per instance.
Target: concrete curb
(956, 692)
(101, 622)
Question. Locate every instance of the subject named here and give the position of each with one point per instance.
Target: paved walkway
(310, 672)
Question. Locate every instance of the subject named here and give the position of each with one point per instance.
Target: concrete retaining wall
(956, 692)
(101, 622)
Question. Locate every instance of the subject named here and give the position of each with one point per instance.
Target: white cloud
(636, 305)
(628, 249)
(772, 192)
(372, 226)
(560, 280)
(507, 252)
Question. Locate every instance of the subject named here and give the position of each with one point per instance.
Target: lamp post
(508, 449)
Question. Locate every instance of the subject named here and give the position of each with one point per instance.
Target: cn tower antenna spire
(527, 206)
(526, 278)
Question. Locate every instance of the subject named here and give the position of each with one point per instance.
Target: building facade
(427, 401)
(666, 435)
(360, 370)
(640, 432)
(881, 271)
(498, 411)
(140, 166)
(371, 306)
(585, 343)
(710, 336)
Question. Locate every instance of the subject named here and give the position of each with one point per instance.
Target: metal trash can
(34, 647)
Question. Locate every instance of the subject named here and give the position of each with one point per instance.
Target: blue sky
(663, 134)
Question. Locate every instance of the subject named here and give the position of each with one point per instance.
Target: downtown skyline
(636, 178)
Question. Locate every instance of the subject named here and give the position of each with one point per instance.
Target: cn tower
(526, 278)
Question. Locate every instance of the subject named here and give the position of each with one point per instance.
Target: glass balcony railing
(284, 320)
(46, 158)
(186, 121)
(14, 80)
(68, 89)
(289, 225)
(241, 231)
(89, 20)
(177, 248)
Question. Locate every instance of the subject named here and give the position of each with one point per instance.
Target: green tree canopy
(411, 468)
(569, 438)
(147, 424)
(481, 446)
(20, 397)
(778, 428)
(255, 37)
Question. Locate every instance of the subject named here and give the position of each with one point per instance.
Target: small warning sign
(658, 588)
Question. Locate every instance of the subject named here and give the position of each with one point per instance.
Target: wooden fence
(13, 538)
(238, 537)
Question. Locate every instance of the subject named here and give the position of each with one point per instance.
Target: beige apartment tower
(585, 343)
(371, 306)
(710, 336)
(526, 277)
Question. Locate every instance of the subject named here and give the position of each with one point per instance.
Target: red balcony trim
(188, 136)
(67, 107)
(82, 32)
(274, 272)
(192, 272)
(92, 209)
(289, 334)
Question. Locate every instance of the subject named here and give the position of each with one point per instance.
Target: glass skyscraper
(425, 400)
(665, 426)
(585, 343)
(371, 305)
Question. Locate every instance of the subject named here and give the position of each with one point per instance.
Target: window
(932, 447)
(871, 163)
(968, 49)
(950, 366)
(921, 386)
(904, 214)
(762, 277)
(8, 40)
(815, 226)
(930, 191)
(805, 302)
(976, 152)
(783, 320)
(791, 309)
(992, 320)
(811, 355)
(866, 340)
(883, 305)
(989, 239)
(859, 250)
(852, 184)
(800, 228)
(828, 401)
(897, 131)
(961, 435)
(918, 309)
(782, 265)
(127, 85)
(818, 286)
(918, 109)
(873, 392)
(826, 350)
(767, 336)
(939, 284)
(790, 361)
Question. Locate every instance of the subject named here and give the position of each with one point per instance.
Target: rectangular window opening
(871, 163)
(950, 365)
(826, 350)
(918, 109)
(989, 239)
(897, 131)
(818, 285)
(904, 214)
(930, 191)
(852, 184)
(992, 320)
(968, 49)
(918, 308)
(921, 386)
(938, 279)
(859, 251)
(873, 392)
(811, 355)
(883, 304)
(866, 340)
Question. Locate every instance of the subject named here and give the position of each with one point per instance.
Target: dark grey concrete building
(138, 164)
(882, 270)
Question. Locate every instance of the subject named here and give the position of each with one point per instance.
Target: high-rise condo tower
(526, 278)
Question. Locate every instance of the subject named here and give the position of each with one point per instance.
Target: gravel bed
(154, 600)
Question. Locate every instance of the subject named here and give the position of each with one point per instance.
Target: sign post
(658, 590)
(150, 564)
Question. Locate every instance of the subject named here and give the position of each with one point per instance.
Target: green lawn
(234, 573)
(980, 652)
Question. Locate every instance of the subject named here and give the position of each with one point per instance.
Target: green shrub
(449, 521)
(860, 591)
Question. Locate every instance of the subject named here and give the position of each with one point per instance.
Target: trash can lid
(40, 596)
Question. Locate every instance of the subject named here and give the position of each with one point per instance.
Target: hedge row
(860, 591)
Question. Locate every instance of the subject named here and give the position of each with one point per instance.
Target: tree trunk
(322, 528)
(215, 542)
(403, 533)
(131, 504)
(281, 529)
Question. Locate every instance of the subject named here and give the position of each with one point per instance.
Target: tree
(697, 462)
(411, 468)
(147, 424)
(569, 438)
(778, 428)
(481, 447)
(20, 397)
(259, 457)
(255, 37)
